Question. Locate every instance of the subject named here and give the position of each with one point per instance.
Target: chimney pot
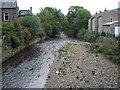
(96, 12)
(31, 9)
(105, 9)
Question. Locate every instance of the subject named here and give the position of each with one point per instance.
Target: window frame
(111, 19)
(4, 16)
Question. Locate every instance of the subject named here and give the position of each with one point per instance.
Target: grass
(64, 50)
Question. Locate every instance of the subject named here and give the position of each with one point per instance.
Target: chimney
(105, 9)
(100, 11)
(96, 12)
(31, 9)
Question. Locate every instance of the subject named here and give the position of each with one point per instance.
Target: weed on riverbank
(64, 50)
(108, 47)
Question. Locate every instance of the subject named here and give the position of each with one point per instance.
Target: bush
(118, 38)
(109, 48)
(88, 36)
(80, 34)
(26, 33)
(33, 23)
(10, 37)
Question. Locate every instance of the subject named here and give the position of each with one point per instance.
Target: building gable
(9, 10)
(8, 4)
(117, 10)
(107, 22)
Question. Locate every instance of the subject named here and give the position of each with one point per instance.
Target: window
(111, 20)
(6, 16)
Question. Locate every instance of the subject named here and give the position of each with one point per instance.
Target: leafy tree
(46, 22)
(29, 13)
(65, 24)
(78, 19)
(51, 20)
(10, 35)
(33, 24)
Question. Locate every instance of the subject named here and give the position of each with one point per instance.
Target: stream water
(30, 67)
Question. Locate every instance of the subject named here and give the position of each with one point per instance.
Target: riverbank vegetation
(109, 47)
(77, 28)
(48, 23)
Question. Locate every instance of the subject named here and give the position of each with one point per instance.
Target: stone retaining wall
(12, 52)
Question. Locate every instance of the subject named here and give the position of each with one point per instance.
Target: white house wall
(117, 31)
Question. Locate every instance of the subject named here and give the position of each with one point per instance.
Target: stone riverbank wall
(11, 52)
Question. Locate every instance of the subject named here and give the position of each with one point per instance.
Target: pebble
(48, 76)
(93, 72)
(77, 77)
(31, 69)
(81, 71)
(81, 79)
(38, 76)
(57, 72)
(78, 67)
(85, 71)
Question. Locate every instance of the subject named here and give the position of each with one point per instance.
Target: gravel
(42, 66)
(82, 70)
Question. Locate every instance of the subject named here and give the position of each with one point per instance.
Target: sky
(90, 5)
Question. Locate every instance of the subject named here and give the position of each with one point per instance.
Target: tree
(82, 17)
(78, 19)
(33, 23)
(51, 19)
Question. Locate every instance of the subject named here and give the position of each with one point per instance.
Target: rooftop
(117, 10)
(111, 23)
(8, 4)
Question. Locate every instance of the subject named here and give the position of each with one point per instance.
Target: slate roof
(8, 5)
(117, 10)
(111, 23)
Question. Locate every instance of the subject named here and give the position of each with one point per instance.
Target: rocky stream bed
(59, 63)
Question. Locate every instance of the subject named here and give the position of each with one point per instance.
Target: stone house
(24, 12)
(106, 22)
(9, 10)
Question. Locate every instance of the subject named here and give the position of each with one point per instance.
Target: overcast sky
(91, 5)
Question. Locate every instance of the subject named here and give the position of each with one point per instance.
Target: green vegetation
(77, 20)
(11, 35)
(0, 48)
(108, 47)
(31, 25)
(64, 50)
(77, 28)
(49, 22)
(88, 36)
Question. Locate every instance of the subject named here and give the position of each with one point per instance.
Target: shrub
(10, 37)
(26, 33)
(89, 36)
(33, 23)
(80, 34)
(109, 48)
